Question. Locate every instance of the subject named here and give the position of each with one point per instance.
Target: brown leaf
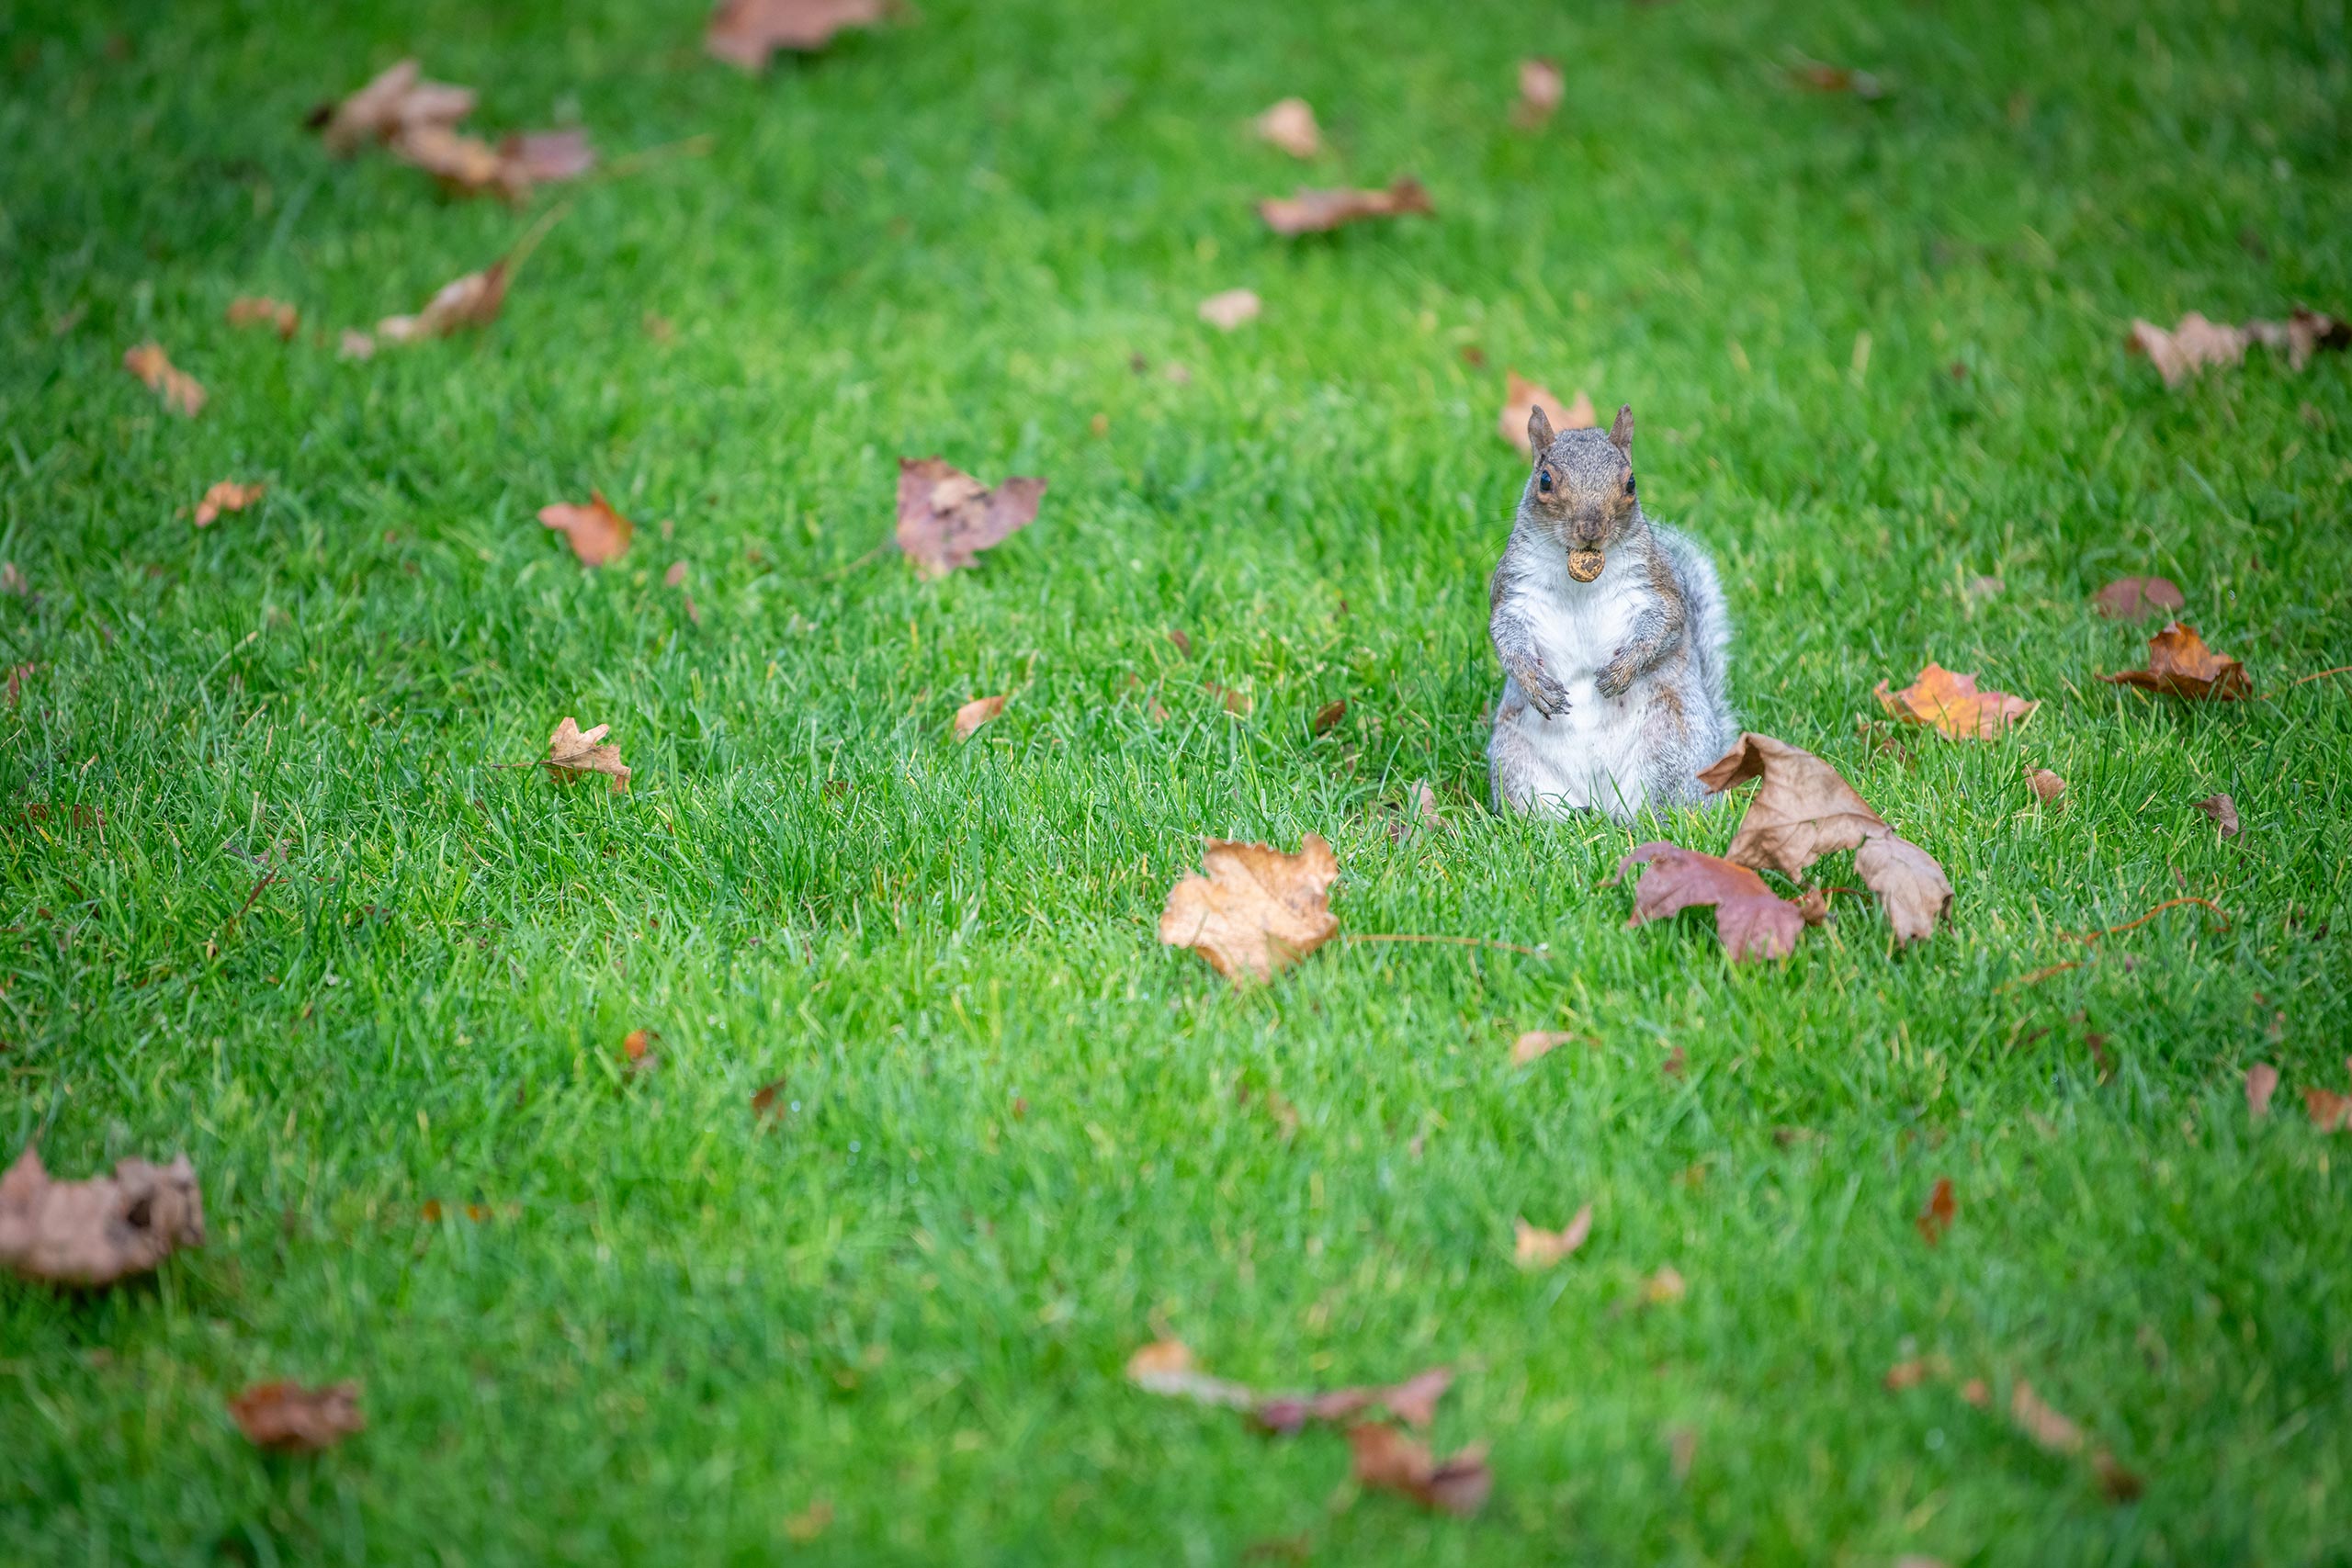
(1420, 812)
(2129, 598)
(472, 300)
(1976, 1394)
(2224, 811)
(1522, 398)
(1183, 643)
(1910, 884)
(975, 713)
(1235, 702)
(1953, 705)
(542, 157)
(2330, 1112)
(257, 311)
(1229, 310)
(946, 519)
(764, 1101)
(1165, 1367)
(2196, 345)
(573, 755)
(1751, 920)
(2261, 1083)
(1663, 1287)
(1413, 1401)
(99, 1230)
(1535, 1248)
(226, 496)
(676, 575)
(747, 32)
(1319, 212)
(1937, 1217)
(181, 391)
(595, 532)
(291, 1418)
(2180, 664)
(1328, 716)
(637, 1045)
(465, 164)
(1387, 1459)
(470, 166)
(1821, 78)
(1540, 88)
(2301, 334)
(1290, 125)
(1804, 810)
(1537, 1042)
(1258, 910)
(2045, 1426)
(2047, 787)
(1913, 1373)
(398, 99)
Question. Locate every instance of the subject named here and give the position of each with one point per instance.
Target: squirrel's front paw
(1549, 699)
(1616, 677)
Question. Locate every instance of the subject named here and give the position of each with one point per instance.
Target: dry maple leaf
(397, 99)
(573, 755)
(226, 496)
(472, 300)
(1327, 717)
(100, 1230)
(1540, 88)
(2129, 598)
(260, 311)
(1258, 910)
(1537, 1042)
(2330, 1112)
(1320, 212)
(2180, 664)
(1804, 810)
(2046, 785)
(1751, 920)
(975, 713)
(748, 32)
(291, 1418)
(1387, 1459)
(2198, 344)
(1536, 1248)
(2224, 811)
(1936, 1218)
(1522, 398)
(1413, 1401)
(946, 518)
(181, 390)
(1229, 310)
(2261, 1083)
(468, 165)
(1290, 125)
(1953, 705)
(1910, 884)
(595, 532)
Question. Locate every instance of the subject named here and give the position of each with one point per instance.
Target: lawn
(375, 981)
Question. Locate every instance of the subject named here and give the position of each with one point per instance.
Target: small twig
(2167, 904)
(1452, 941)
(513, 259)
(691, 147)
(2040, 975)
(846, 570)
(213, 945)
(2339, 669)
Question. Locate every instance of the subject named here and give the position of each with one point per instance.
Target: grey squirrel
(1612, 637)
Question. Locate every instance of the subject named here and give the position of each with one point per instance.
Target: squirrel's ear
(1620, 434)
(1539, 432)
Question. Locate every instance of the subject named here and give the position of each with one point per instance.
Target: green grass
(1015, 1148)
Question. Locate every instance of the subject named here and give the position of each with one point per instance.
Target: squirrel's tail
(1710, 623)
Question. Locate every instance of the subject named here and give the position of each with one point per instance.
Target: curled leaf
(975, 713)
(2198, 344)
(573, 755)
(398, 99)
(1166, 1367)
(2224, 811)
(748, 32)
(1522, 398)
(1537, 1042)
(2047, 787)
(946, 517)
(291, 1418)
(1256, 911)
(181, 392)
(1937, 1217)
(1387, 1459)
(2179, 663)
(100, 1230)
(1537, 1249)
(1751, 920)
(472, 300)
(1909, 883)
(1290, 125)
(595, 532)
(1804, 810)
(1319, 212)
(2129, 598)
(1953, 705)
(1413, 1401)
(226, 496)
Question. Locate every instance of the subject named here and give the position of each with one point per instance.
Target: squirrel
(1613, 635)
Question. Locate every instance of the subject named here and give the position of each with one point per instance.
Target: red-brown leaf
(748, 32)
(595, 532)
(1751, 920)
(1953, 705)
(1387, 1459)
(1937, 1217)
(2129, 598)
(1317, 211)
(2180, 664)
(293, 1420)
(946, 518)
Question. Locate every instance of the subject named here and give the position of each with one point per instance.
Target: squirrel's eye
(1544, 482)
(1629, 484)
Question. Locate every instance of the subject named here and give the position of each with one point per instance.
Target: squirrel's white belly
(1590, 755)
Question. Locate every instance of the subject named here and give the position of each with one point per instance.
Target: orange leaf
(293, 1420)
(1256, 911)
(2180, 664)
(595, 532)
(1536, 1248)
(1522, 398)
(573, 755)
(1937, 1217)
(257, 310)
(181, 390)
(975, 713)
(1953, 705)
(226, 496)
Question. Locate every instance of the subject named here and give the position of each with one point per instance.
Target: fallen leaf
(1258, 910)
(2196, 345)
(2129, 598)
(181, 390)
(1183, 643)
(2047, 787)
(226, 496)
(2045, 1426)
(1328, 716)
(470, 166)
(1420, 812)
(595, 532)
(1821, 78)
(1937, 1217)
(1166, 1367)
(1320, 212)
(1522, 398)
(572, 756)
(1910, 884)
(675, 576)
(1540, 88)
(1664, 1286)
(2224, 811)
(1974, 1392)
(1231, 309)
(259, 312)
(291, 1418)
(1751, 920)
(1675, 1062)
(1953, 705)
(542, 157)
(472, 300)
(2180, 664)
(354, 345)
(1235, 701)
(1537, 1042)
(1387, 1459)
(764, 1101)
(2261, 1083)
(1413, 1401)
(747, 32)
(946, 518)
(1290, 125)
(809, 1523)
(2330, 1112)
(99, 1230)
(975, 713)
(1913, 1373)
(637, 1045)
(1536, 1248)
(398, 99)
